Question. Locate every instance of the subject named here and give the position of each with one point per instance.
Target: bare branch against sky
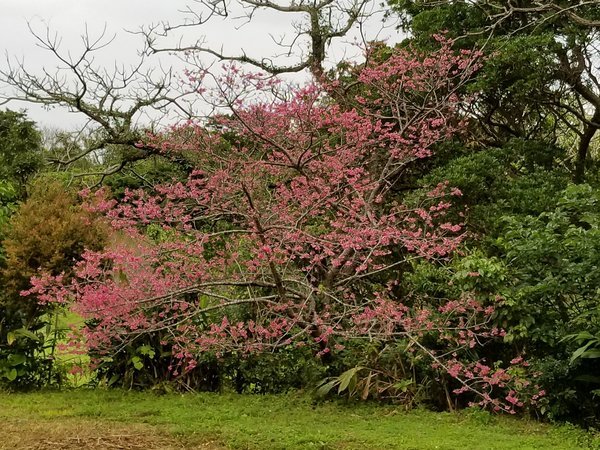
(67, 21)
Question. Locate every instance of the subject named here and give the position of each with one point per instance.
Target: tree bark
(584, 146)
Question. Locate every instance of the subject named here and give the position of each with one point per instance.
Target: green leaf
(16, 359)
(579, 352)
(326, 387)
(23, 332)
(403, 385)
(346, 378)
(584, 335)
(137, 363)
(113, 379)
(591, 354)
(10, 337)
(204, 301)
(146, 350)
(11, 375)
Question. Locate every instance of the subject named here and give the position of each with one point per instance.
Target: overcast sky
(69, 19)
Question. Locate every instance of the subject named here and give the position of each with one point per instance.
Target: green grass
(286, 422)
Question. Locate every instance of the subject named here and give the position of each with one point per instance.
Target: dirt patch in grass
(94, 435)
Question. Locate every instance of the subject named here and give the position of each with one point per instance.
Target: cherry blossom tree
(290, 231)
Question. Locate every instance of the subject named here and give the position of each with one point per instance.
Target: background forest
(421, 227)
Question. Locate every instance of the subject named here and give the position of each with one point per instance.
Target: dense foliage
(47, 232)
(533, 238)
(20, 148)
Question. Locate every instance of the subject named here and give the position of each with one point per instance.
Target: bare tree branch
(321, 22)
(112, 99)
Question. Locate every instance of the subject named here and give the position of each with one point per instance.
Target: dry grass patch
(77, 434)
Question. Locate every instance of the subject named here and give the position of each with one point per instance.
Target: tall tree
(20, 148)
(540, 80)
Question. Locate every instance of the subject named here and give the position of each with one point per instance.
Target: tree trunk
(584, 145)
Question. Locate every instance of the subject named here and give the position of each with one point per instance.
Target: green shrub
(48, 232)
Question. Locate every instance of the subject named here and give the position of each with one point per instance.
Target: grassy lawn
(86, 419)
